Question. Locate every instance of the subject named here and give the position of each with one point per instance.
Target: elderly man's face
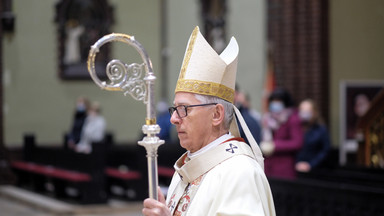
(194, 129)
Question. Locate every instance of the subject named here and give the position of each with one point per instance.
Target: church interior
(324, 50)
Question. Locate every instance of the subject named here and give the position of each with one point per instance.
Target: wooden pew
(62, 169)
(126, 172)
(123, 172)
(51, 171)
(352, 175)
(127, 175)
(167, 156)
(313, 197)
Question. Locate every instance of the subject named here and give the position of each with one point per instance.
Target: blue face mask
(80, 108)
(276, 107)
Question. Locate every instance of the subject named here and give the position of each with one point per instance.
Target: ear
(218, 115)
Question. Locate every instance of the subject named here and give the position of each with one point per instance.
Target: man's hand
(156, 208)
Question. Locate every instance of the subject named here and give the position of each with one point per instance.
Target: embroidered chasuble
(225, 180)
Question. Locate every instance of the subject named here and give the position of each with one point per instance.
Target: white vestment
(225, 180)
(93, 131)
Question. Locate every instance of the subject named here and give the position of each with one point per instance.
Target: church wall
(247, 22)
(182, 17)
(356, 48)
(37, 101)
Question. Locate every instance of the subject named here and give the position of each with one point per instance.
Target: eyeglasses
(181, 110)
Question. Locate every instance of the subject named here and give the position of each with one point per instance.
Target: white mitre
(207, 73)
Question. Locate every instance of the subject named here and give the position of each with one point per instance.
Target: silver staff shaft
(151, 144)
(128, 78)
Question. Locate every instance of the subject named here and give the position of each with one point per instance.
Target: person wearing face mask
(282, 135)
(80, 115)
(93, 129)
(316, 138)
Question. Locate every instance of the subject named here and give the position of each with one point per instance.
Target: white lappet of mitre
(207, 73)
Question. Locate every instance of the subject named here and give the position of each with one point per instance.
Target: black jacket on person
(252, 124)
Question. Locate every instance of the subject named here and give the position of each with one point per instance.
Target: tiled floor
(18, 202)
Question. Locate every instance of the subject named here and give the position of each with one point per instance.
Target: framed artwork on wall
(355, 98)
(80, 23)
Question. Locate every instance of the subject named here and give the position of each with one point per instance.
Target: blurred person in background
(282, 135)
(163, 120)
(80, 114)
(316, 137)
(93, 130)
(250, 116)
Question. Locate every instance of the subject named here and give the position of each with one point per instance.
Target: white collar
(215, 143)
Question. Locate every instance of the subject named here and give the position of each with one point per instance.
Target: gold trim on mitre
(206, 88)
(205, 72)
(188, 52)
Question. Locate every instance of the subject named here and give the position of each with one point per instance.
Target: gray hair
(228, 107)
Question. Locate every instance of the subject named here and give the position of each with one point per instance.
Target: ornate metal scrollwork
(129, 78)
(123, 77)
(138, 81)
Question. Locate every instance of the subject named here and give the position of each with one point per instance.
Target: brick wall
(298, 39)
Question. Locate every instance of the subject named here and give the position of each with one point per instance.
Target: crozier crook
(128, 79)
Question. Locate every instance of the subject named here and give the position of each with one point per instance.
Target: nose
(175, 118)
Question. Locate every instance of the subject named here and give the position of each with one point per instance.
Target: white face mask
(305, 115)
(276, 106)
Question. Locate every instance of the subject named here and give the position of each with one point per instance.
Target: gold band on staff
(150, 121)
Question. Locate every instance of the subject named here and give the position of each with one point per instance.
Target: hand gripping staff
(128, 79)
